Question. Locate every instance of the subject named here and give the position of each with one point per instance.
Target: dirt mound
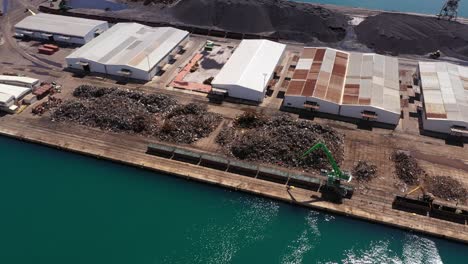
(410, 34)
(291, 20)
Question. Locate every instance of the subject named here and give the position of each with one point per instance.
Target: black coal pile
(119, 110)
(282, 140)
(446, 188)
(188, 123)
(410, 34)
(291, 20)
(407, 168)
(302, 22)
(364, 171)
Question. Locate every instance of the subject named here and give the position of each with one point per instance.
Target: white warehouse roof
(445, 90)
(15, 91)
(7, 79)
(132, 45)
(251, 65)
(63, 25)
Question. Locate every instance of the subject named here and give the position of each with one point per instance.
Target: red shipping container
(52, 47)
(46, 51)
(42, 91)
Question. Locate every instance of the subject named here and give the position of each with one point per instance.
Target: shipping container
(46, 51)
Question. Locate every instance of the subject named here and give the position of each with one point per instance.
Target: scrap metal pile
(51, 103)
(280, 140)
(120, 110)
(364, 171)
(446, 188)
(406, 167)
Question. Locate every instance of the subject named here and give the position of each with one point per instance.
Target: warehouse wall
(91, 35)
(383, 116)
(441, 125)
(56, 37)
(241, 92)
(294, 101)
(324, 106)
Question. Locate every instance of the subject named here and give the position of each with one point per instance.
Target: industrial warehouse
(356, 85)
(445, 97)
(250, 68)
(130, 50)
(57, 28)
(13, 89)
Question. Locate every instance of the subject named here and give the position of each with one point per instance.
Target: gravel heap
(281, 140)
(119, 110)
(410, 34)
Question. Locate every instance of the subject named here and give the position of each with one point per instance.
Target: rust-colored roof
(322, 79)
(295, 87)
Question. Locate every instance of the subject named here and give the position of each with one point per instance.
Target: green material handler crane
(333, 190)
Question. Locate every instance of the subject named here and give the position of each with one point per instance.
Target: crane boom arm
(336, 169)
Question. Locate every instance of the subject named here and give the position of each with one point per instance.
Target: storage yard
(256, 148)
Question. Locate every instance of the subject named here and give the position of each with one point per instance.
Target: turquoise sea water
(416, 6)
(58, 207)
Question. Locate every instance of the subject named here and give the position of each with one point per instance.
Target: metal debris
(446, 187)
(120, 110)
(407, 168)
(364, 171)
(281, 140)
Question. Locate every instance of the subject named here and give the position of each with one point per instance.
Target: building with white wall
(57, 28)
(249, 69)
(360, 86)
(130, 50)
(13, 89)
(444, 88)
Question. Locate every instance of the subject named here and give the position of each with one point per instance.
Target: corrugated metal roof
(15, 91)
(251, 64)
(132, 45)
(64, 25)
(19, 79)
(445, 89)
(6, 98)
(347, 78)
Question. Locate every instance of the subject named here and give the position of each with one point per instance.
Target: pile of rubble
(281, 140)
(364, 171)
(188, 123)
(51, 103)
(447, 188)
(250, 119)
(406, 167)
(119, 110)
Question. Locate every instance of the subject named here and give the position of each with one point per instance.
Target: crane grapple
(333, 191)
